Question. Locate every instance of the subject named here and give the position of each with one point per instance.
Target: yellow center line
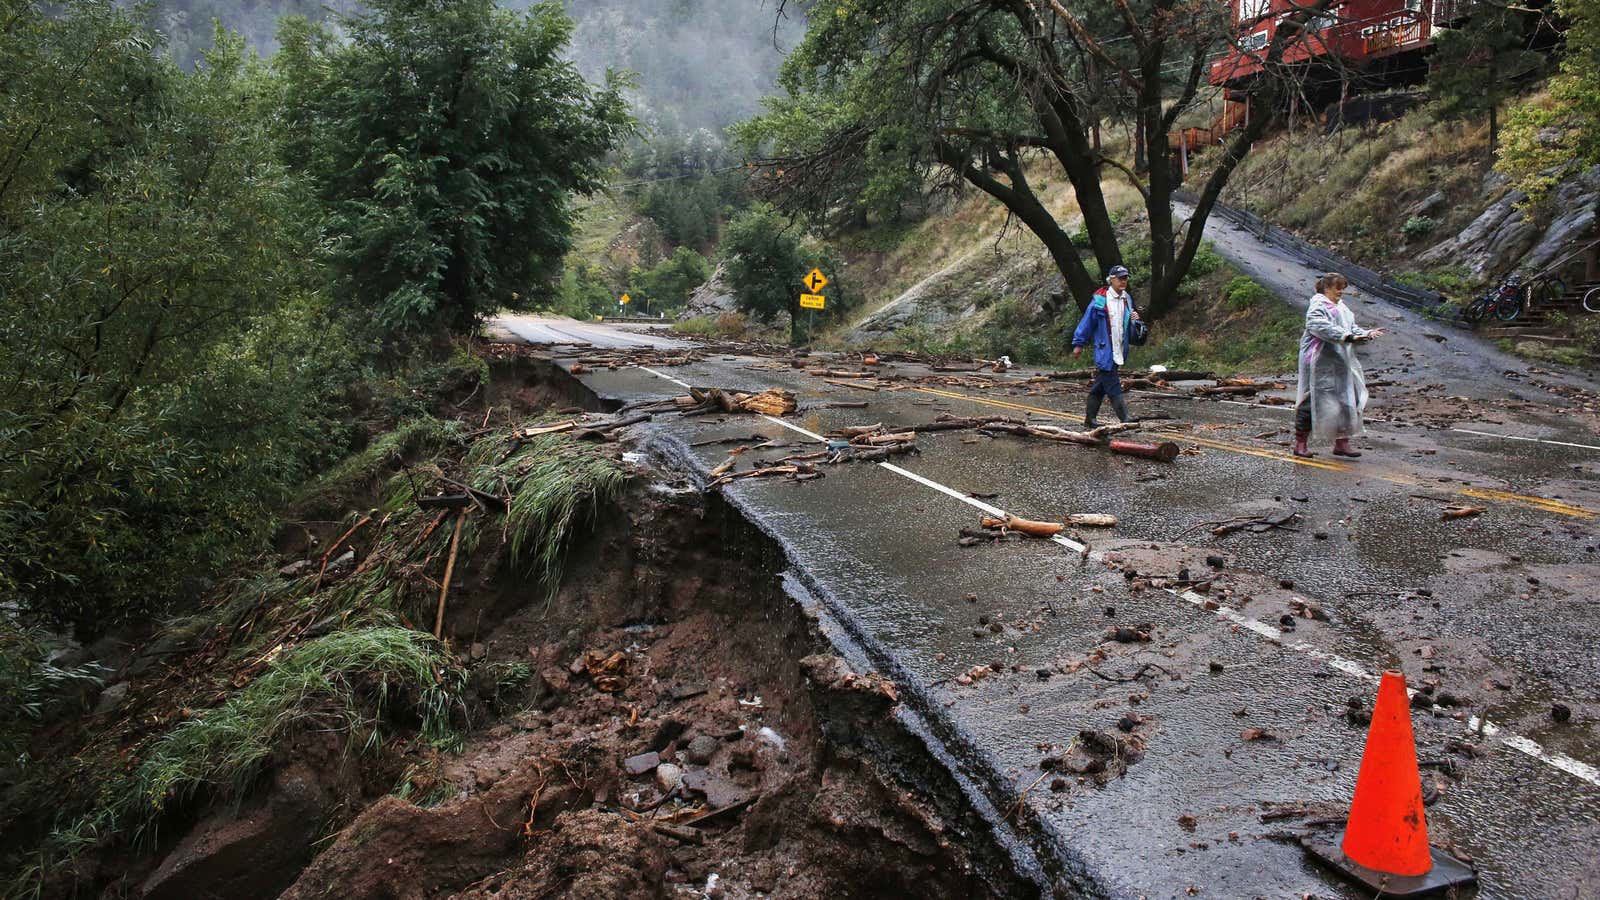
(1542, 504)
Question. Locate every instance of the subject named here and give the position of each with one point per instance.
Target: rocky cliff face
(1505, 237)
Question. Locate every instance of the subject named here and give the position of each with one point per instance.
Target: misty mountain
(699, 63)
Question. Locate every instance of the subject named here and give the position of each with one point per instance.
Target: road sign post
(812, 299)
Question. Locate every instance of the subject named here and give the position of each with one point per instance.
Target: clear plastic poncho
(1330, 374)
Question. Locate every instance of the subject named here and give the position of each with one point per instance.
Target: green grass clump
(223, 748)
(362, 472)
(552, 479)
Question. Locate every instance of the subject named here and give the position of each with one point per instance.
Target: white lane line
(1518, 437)
(1564, 763)
(1334, 661)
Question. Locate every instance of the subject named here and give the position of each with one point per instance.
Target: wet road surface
(559, 330)
(1494, 614)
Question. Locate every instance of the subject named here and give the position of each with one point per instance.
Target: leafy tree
(446, 138)
(763, 261)
(169, 369)
(581, 293)
(667, 285)
(1547, 138)
(883, 94)
(1473, 63)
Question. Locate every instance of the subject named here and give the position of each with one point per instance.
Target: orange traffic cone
(1385, 841)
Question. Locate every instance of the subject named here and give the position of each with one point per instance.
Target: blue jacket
(1096, 327)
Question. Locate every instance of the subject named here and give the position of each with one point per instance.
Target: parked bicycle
(1503, 301)
(1509, 298)
(1591, 300)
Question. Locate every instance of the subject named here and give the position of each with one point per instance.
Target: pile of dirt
(678, 732)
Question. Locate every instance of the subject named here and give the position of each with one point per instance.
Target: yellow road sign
(625, 299)
(812, 301)
(815, 281)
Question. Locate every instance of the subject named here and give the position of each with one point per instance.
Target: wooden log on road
(1166, 451)
(1024, 526)
(1228, 390)
(904, 437)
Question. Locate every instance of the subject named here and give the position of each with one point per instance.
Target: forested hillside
(699, 63)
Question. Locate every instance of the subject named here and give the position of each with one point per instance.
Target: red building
(1366, 37)
(1357, 45)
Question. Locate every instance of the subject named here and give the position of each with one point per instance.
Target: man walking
(1107, 322)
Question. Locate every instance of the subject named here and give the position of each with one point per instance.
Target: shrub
(1206, 261)
(1417, 226)
(1244, 292)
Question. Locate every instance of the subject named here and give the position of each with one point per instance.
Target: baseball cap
(1118, 272)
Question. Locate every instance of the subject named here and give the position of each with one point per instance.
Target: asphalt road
(556, 330)
(1238, 736)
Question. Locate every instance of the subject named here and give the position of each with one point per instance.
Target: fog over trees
(699, 63)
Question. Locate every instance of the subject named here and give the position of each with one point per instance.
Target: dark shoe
(1341, 447)
(1091, 411)
(1300, 444)
(1121, 406)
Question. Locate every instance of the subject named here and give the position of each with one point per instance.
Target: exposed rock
(1497, 236)
(644, 762)
(668, 776)
(1502, 237)
(110, 697)
(701, 749)
(1426, 205)
(710, 299)
(257, 852)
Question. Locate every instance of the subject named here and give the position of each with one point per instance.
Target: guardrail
(1429, 303)
(634, 320)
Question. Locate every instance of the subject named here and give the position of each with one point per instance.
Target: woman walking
(1108, 325)
(1332, 392)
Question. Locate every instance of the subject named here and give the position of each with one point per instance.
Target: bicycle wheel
(1474, 311)
(1546, 291)
(1509, 307)
(1591, 300)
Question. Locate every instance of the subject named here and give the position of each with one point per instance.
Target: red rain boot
(1300, 444)
(1341, 447)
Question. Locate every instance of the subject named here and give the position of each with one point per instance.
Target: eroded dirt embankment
(684, 729)
(668, 721)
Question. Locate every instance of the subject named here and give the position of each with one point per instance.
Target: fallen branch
(1024, 526)
(1462, 512)
(449, 570)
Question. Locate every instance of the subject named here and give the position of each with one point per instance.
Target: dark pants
(1302, 417)
(1106, 384)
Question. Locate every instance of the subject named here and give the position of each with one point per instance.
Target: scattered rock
(668, 777)
(1124, 635)
(639, 765)
(296, 569)
(110, 697)
(1216, 562)
(1560, 712)
(701, 749)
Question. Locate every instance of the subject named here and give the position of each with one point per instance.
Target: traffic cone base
(1385, 842)
(1447, 871)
